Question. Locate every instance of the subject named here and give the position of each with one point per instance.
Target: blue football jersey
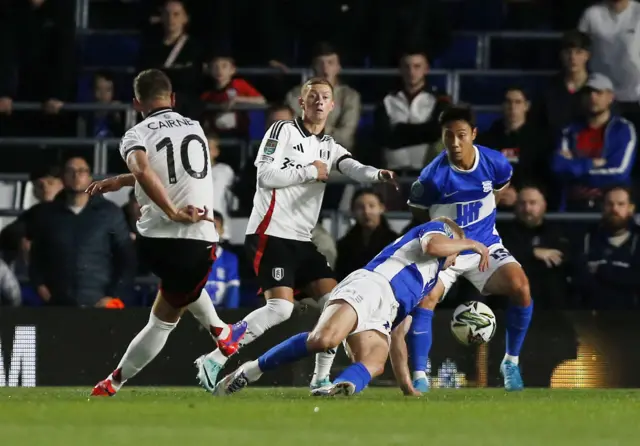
(410, 272)
(465, 196)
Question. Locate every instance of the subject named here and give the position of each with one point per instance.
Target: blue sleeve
(424, 192)
(569, 168)
(232, 297)
(503, 171)
(620, 153)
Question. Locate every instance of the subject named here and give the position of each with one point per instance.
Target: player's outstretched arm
(399, 357)
(438, 245)
(112, 184)
(357, 171)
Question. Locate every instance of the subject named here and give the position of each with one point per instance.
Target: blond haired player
(293, 164)
(168, 157)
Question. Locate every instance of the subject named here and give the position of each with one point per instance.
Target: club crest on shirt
(270, 146)
(277, 273)
(417, 189)
(448, 231)
(487, 186)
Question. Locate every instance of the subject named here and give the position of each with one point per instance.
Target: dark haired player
(168, 157)
(461, 184)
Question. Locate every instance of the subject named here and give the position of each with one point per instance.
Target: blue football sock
(286, 352)
(518, 319)
(357, 374)
(419, 337)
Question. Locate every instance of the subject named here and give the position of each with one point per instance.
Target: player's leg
(143, 348)
(511, 281)
(505, 277)
(276, 276)
(335, 323)
(420, 336)
(317, 280)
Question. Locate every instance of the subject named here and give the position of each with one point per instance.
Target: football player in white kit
(168, 157)
(293, 164)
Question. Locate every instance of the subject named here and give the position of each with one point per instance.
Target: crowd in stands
(573, 146)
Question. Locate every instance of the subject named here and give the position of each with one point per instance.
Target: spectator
(132, 213)
(561, 102)
(612, 26)
(343, 120)
(607, 267)
(15, 237)
(407, 119)
(223, 179)
(176, 53)
(367, 237)
(10, 294)
(521, 141)
(104, 123)
(81, 252)
(223, 284)
(594, 153)
(228, 91)
(540, 247)
(279, 112)
(325, 244)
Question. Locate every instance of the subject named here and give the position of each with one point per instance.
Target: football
(473, 323)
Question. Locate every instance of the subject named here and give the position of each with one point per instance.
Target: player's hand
(112, 184)
(479, 248)
(599, 162)
(323, 171)
(551, 257)
(409, 390)
(388, 176)
(190, 215)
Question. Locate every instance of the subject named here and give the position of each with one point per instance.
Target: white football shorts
(467, 267)
(372, 298)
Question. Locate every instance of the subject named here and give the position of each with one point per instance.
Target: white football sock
(204, 311)
(514, 359)
(418, 375)
(273, 313)
(252, 370)
(324, 360)
(143, 348)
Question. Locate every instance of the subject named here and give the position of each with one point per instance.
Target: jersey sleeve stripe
(132, 149)
(342, 158)
(275, 130)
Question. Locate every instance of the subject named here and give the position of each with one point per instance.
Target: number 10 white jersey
(179, 154)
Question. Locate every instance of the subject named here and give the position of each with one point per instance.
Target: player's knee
(520, 293)
(430, 301)
(323, 340)
(281, 309)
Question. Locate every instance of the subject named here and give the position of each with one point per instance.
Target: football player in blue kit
(367, 305)
(461, 183)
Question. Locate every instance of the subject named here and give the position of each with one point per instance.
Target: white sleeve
(345, 164)
(129, 143)
(583, 25)
(272, 173)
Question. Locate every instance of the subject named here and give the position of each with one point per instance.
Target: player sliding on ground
(461, 184)
(168, 157)
(367, 305)
(293, 165)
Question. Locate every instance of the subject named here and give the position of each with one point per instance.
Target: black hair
(211, 135)
(324, 49)
(218, 215)
(458, 113)
(45, 171)
(621, 187)
(103, 74)
(576, 39)
(519, 88)
(365, 191)
(280, 107)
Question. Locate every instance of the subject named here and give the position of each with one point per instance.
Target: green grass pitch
(283, 417)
